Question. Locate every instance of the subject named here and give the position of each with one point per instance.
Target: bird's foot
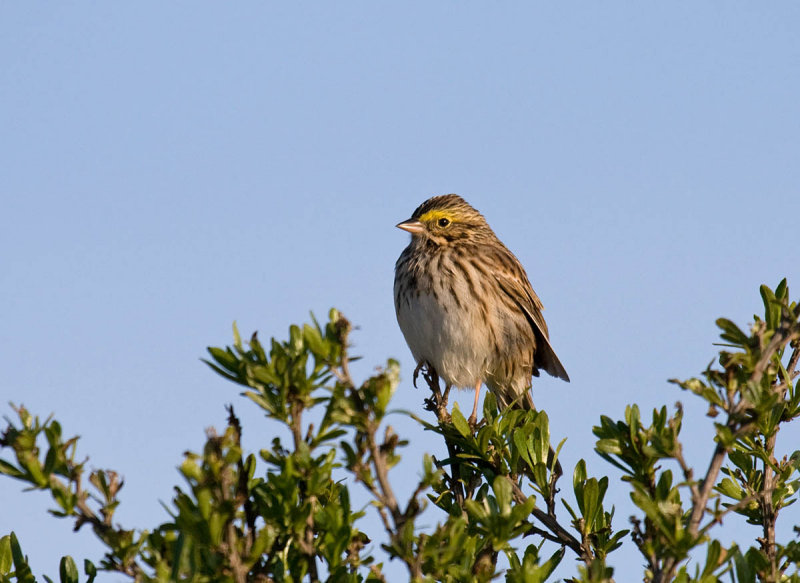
(428, 373)
(473, 422)
(417, 370)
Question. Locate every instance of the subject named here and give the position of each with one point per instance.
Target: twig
(688, 473)
(562, 536)
(388, 497)
(718, 519)
(545, 535)
(793, 359)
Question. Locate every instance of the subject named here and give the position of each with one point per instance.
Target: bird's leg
(473, 419)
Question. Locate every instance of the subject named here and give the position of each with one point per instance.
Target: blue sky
(166, 169)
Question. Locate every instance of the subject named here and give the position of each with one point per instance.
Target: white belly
(449, 339)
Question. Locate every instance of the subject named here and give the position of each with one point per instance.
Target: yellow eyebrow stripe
(435, 215)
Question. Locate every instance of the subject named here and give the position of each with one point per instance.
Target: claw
(420, 364)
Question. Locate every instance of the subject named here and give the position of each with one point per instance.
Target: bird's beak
(413, 226)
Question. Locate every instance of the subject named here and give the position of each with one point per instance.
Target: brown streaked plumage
(466, 307)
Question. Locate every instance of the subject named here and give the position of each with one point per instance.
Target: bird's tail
(545, 358)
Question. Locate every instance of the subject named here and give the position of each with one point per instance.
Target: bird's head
(446, 220)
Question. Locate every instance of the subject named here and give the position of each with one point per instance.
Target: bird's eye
(443, 222)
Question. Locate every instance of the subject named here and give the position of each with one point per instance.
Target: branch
(704, 493)
(793, 360)
(382, 473)
(560, 534)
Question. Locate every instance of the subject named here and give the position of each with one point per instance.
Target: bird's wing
(520, 290)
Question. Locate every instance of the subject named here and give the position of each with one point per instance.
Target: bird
(466, 307)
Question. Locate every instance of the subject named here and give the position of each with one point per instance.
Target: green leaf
(90, 570)
(178, 551)
(67, 570)
(579, 475)
(546, 569)
(569, 509)
(502, 492)
(10, 470)
(295, 338)
(21, 567)
(522, 446)
(782, 290)
(5, 555)
(237, 339)
(221, 372)
(730, 489)
(591, 503)
(772, 309)
(732, 333)
(745, 570)
(460, 422)
(314, 340)
(224, 357)
(578, 481)
(712, 558)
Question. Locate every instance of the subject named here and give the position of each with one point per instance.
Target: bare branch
(688, 473)
(718, 519)
(699, 503)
